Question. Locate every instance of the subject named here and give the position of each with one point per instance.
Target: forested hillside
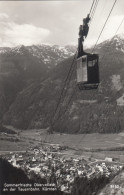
(86, 111)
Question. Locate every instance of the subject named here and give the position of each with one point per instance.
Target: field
(80, 143)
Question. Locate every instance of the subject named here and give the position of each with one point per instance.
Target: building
(108, 159)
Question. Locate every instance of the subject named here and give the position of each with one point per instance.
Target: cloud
(12, 34)
(3, 16)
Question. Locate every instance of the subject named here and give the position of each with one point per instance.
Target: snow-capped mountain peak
(50, 55)
(116, 42)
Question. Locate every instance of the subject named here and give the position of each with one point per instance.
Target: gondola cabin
(88, 72)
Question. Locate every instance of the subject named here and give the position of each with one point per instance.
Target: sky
(56, 22)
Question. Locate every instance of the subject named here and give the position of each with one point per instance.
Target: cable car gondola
(88, 71)
(87, 64)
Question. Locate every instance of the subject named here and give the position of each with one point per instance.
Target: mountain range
(22, 65)
(32, 84)
(50, 55)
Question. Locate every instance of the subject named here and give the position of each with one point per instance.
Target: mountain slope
(88, 111)
(19, 66)
(16, 71)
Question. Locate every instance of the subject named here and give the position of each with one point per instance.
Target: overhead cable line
(94, 9)
(62, 92)
(68, 102)
(104, 24)
(91, 6)
(119, 26)
(62, 111)
(61, 95)
(66, 109)
(115, 34)
(67, 82)
(69, 79)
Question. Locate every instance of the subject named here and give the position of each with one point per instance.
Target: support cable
(94, 9)
(92, 6)
(58, 103)
(104, 25)
(62, 92)
(60, 116)
(119, 26)
(115, 33)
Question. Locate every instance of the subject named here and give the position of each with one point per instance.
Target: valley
(63, 157)
(99, 145)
